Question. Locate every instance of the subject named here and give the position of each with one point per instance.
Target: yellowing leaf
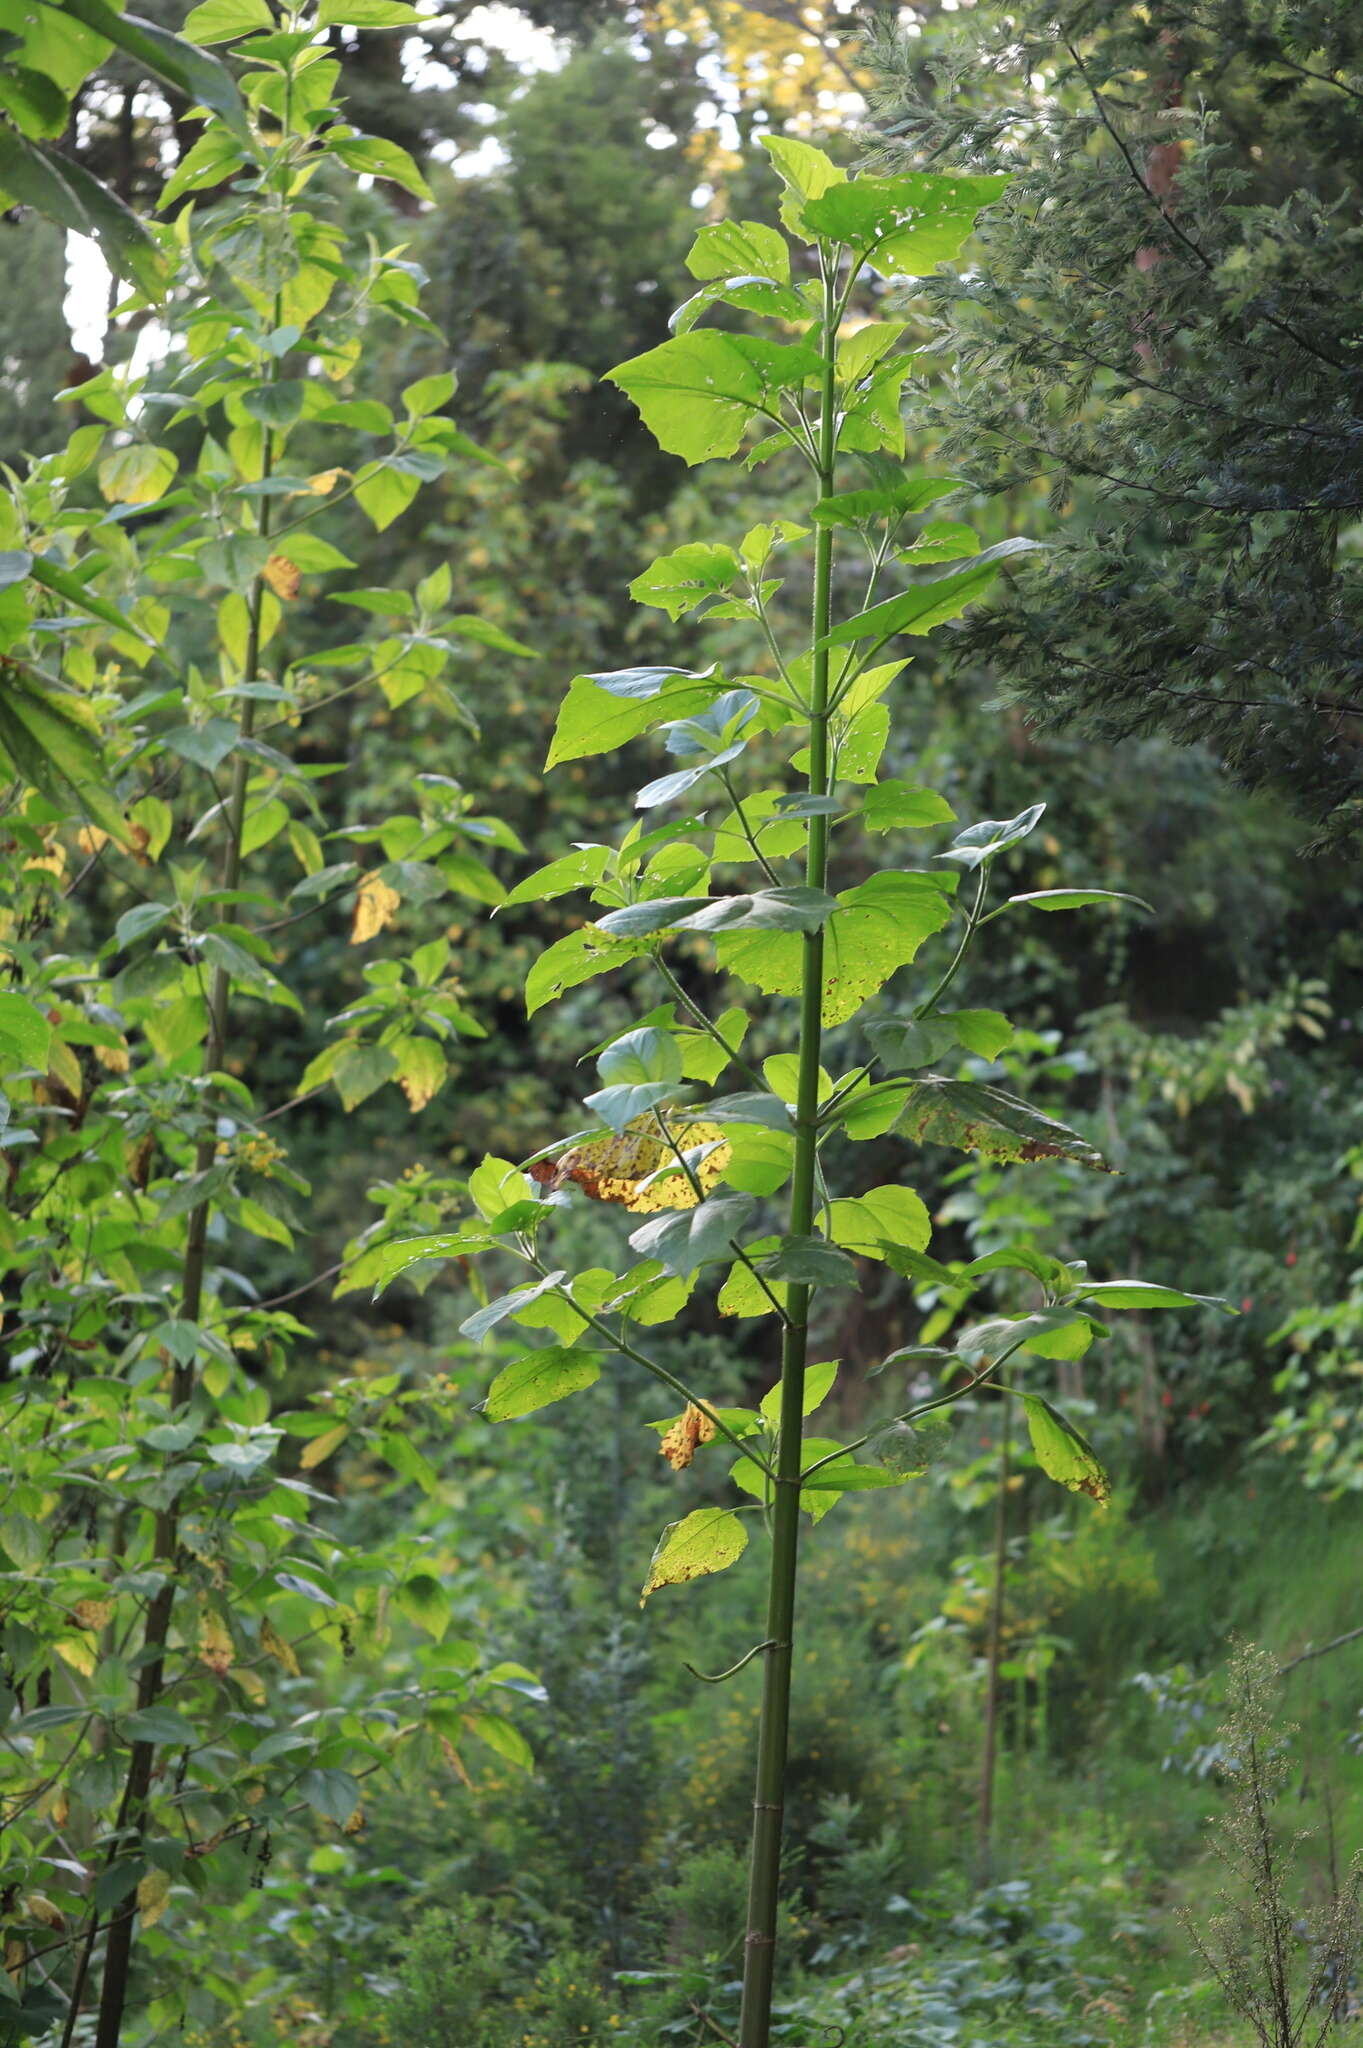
(638, 1168)
(153, 1891)
(319, 1448)
(90, 839)
(325, 481)
(708, 1541)
(38, 1906)
(282, 576)
(94, 1613)
(79, 1653)
(216, 1648)
(114, 1058)
(376, 905)
(137, 474)
(279, 1648)
(421, 1070)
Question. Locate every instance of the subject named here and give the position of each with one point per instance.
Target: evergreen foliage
(1165, 328)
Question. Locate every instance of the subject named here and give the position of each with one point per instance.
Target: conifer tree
(1166, 329)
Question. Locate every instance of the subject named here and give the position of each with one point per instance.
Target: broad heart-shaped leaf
(646, 1054)
(1062, 1453)
(904, 807)
(724, 248)
(710, 1540)
(882, 1222)
(972, 1117)
(537, 1379)
(1148, 1294)
(697, 392)
(751, 294)
(906, 226)
(896, 499)
(678, 582)
(602, 712)
(1074, 899)
(796, 909)
(930, 603)
(695, 1238)
(877, 927)
(981, 842)
(905, 1044)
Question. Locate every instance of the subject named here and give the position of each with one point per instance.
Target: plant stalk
(759, 1953)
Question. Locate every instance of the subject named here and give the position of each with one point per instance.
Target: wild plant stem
(759, 1955)
(151, 1679)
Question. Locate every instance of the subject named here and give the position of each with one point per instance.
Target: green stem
(759, 1955)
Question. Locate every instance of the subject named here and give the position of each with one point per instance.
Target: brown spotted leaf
(1062, 1452)
(692, 1427)
(972, 1117)
(708, 1541)
(638, 1168)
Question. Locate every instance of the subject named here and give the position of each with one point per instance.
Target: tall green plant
(167, 1562)
(701, 1173)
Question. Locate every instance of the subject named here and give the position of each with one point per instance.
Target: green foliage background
(1212, 1049)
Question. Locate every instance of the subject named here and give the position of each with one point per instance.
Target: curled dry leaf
(692, 1427)
(376, 905)
(283, 576)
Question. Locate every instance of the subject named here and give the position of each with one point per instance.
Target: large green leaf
(602, 712)
(50, 744)
(697, 392)
(881, 1222)
(972, 1117)
(877, 927)
(532, 1382)
(730, 248)
(678, 582)
(904, 226)
(191, 71)
(796, 909)
(929, 604)
(1062, 1452)
(694, 1237)
(570, 961)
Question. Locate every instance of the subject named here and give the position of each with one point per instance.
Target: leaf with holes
(972, 1117)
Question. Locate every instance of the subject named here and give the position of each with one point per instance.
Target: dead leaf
(376, 905)
(94, 1613)
(153, 1891)
(216, 1648)
(692, 1427)
(90, 839)
(280, 1648)
(283, 576)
